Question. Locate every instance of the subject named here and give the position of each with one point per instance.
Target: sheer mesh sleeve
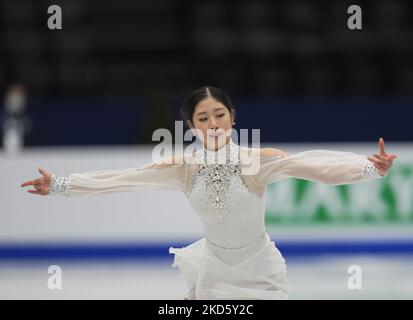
(150, 176)
(327, 166)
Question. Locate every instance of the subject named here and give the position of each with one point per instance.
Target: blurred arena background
(90, 95)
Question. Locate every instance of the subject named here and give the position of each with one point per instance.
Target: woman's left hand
(382, 161)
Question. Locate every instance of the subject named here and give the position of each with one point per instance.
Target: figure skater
(236, 258)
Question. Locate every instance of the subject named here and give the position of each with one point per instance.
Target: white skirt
(261, 275)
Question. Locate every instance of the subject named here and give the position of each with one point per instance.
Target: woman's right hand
(41, 185)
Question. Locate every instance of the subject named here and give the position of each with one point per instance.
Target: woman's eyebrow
(217, 109)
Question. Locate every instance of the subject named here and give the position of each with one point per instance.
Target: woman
(236, 259)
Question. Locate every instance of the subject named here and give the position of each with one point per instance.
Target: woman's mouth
(215, 134)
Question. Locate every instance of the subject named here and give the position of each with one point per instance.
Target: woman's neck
(228, 142)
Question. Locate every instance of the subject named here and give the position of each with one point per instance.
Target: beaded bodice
(232, 213)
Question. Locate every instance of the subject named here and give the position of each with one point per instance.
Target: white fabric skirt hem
(263, 275)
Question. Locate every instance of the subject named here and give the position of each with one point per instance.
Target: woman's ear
(189, 124)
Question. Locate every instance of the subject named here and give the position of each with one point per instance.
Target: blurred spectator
(14, 124)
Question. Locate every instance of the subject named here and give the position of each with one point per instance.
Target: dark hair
(197, 95)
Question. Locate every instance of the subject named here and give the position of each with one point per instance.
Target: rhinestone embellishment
(217, 182)
(217, 179)
(370, 171)
(58, 185)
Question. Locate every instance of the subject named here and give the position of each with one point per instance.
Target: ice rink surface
(321, 277)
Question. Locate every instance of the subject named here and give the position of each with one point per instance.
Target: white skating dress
(235, 259)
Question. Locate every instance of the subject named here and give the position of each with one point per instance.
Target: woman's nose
(213, 125)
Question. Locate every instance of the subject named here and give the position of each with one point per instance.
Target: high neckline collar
(229, 153)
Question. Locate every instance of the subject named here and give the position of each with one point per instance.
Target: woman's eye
(221, 115)
(203, 119)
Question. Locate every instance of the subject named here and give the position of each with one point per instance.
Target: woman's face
(213, 122)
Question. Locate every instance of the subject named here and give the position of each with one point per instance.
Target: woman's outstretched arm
(160, 175)
(327, 166)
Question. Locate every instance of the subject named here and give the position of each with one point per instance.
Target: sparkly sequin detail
(58, 186)
(370, 171)
(219, 182)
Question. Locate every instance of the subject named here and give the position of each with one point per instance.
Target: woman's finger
(384, 160)
(381, 166)
(44, 172)
(27, 183)
(379, 156)
(382, 170)
(34, 191)
(381, 144)
(375, 159)
(388, 158)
